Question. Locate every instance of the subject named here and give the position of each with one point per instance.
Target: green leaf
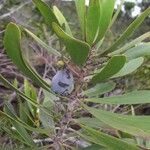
(26, 126)
(135, 125)
(147, 144)
(27, 110)
(15, 135)
(129, 67)
(7, 83)
(107, 8)
(92, 122)
(12, 45)
(46, 12)
(21, 94)
(34, 96)
(27, 88)
(135, 97)
(24, 113)
(116, 13)
(138, 51)
(47, 122)
(48, 48)
(77, 49)
(16, 119)
(92, 23)
(111, 68)
(130, 30)
(105, 140)
(99, 89)
(21, 131)
(48, 103)
(94, 147)
(81, 10)
(62, 21)
(30, 91)
(15, 83)
(131, 44)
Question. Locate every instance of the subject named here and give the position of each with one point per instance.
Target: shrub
(122, 58)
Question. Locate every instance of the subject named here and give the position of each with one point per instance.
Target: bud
(60, 64)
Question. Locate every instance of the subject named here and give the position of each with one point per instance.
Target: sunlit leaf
(62, 21)
(77, 49)
(111, 68)
(129, 67)
(138, 51)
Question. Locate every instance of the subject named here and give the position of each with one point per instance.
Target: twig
(43, 140)
(73, 140)
(1, 32)
(14, 10)
(46, 70)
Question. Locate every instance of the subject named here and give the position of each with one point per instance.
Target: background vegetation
(27, 15)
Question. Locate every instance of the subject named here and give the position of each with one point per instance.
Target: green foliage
(47, 47)
(135, 97)
(92, 122)
(113, 66)
(42, 118)
(93, 19)
(106, 11)
(22, 133)
(99, 89)
(129, 67)
(47, 119)
(135, 125)
(62, 21)
(13, 48)
(131, 44)
(74, 47)
(81, 11)
(138, 51)
(46, 12)
(107, 141)
(130, 30)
